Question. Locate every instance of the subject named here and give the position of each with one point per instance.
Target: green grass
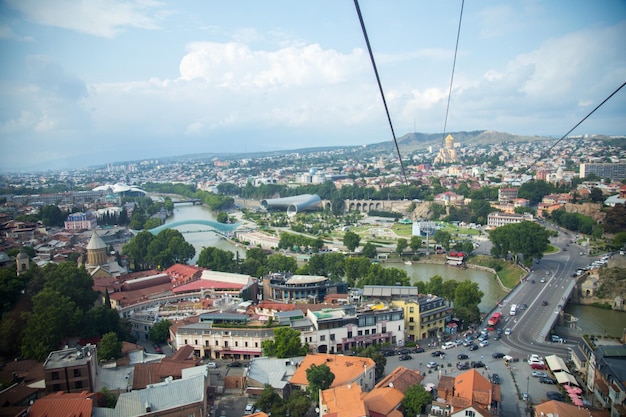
(551, 249)
(509, 273)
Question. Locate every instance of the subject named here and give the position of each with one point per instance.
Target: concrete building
(347, 370)
(290, 288)
(81, 221)
(498, 219)
(71, 370)
(615, 172)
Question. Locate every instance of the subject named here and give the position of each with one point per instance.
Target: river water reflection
(597, 321)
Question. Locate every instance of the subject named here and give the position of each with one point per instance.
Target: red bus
(495, 319)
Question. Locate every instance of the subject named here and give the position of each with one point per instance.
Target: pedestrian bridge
(220, 228)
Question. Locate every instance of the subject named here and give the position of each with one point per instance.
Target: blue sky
(84, 82)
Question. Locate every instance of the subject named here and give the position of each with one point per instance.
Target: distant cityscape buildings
(447, 154)
(615, 172)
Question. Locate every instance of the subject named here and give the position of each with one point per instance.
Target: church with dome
(98, 263)
(447, 154)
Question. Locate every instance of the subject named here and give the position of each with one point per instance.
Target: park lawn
(551, 249)
(510, 274)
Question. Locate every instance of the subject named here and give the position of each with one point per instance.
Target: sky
(85, 82)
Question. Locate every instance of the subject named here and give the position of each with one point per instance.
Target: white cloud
(104, 18)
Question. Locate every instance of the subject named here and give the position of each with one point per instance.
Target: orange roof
(62, 404)
(343, 401)
(563, 409)
(474, 387)
(345, 368)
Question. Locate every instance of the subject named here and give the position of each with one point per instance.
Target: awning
(240, 352)
(565, 378)
(556, 364)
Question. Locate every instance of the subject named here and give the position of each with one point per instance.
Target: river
(597, 321)
(198, 235)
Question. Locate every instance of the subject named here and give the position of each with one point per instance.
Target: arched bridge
(221, 228)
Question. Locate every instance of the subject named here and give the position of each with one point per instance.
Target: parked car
(463, 366)
(525, 396)
(497, 355)
(418, 350)
(388, 353)
(495, 379)
(462, 356)
(437, 353)
(404, 351)
(448, 345)
(497, 337)
(539, 366)
(547, 380)
(249, 408)
(211, 365)
(484, 343)
(235, 364)
(473, 347)
(432, 364)
(478, 364)
(539, 374)
(555, 395)
(405, 357)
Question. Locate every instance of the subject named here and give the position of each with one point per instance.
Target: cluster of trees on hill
(215, 202)
(42, 307)
(527, 238)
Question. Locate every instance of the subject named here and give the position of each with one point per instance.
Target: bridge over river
(217, 227)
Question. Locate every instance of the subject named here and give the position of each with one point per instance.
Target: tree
(351, 241)
(596, 195)
(160, 332)
(435, 285)
(268, 399)
(416, 242)
(286, 344)
(137, 249)
(151, 223)
(374, 353)
(356, 268)
(298, 404)
(222, 217)
(442, 237)
(401, 246)
(72, 281)
(216, 259)
(527, 238)
(110, 347)
(369, 250)
(415, 398)
(319, 378)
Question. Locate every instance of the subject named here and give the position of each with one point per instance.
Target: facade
(211, 341)
(309, 288)
(609, 386)
(71, 370)
(498, 219)
(506, 194)
(447, 154)
(341, 329)
(425, 317)
(81, 221)
(615, 172)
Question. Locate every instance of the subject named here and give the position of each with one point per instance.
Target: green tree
(168, 248)
(278, 262)
(415, 398)
(351, 241)
(110, 347)
(319, 378)
(528, 238)
(401, 246)
(137, 220)
(298, 404)
(217, 259)
(416, 243)
(435, 285)
(268, 399)
(442, 237)
(160, 332)
(467, 294)
(137, 249)
(286, 344)
(369, 251)
(52, 215)
(151, 223)
(356, 268)
(374, 353)
(72, 281)
(596, 195)
(53, 317)
(222, 217)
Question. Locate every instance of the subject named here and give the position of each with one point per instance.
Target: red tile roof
(62, 404)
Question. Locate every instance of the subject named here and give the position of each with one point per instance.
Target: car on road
(473, 347)
(539, 374)
(418, 350)
(478, 364)
(495, 379)
(249, 408)
(235, 365)
(437, 353)
(539, 366)
(497, 355)
(405, 357)
(542, 280)
(547, 272)
(463, 366)
(448, 345)
(497, 337)
(404, 351)
(389, 353)
(211, 365)
(462, 356)
(484, 343)
(548, 380)
(508, 331)
(432, 364)
(525, 396)
(544, 303)
(557, 339)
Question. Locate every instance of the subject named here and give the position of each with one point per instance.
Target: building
(216, 284)
(209, 340)
(498, 219)
(609, 387)
(309, 288)
(348, 327)
(425, 317)
(469, 394)
(615, 172)
(63, 404)
(81, 221)
(271, 371)
(347, 370)
(447, 154)
(342, 401)
(385, 400)
(506, 194)
(71, 370)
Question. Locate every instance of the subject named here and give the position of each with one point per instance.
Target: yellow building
(424, 317)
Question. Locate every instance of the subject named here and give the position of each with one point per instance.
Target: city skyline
(87, 83)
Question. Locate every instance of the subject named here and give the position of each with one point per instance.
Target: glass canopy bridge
(223, 229)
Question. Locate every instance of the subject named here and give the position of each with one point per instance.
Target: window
(55, 376)
(322, 337)
(195, 342)
(236, 344)
(350, 335)
(76, 373)
(470, 413)
(360, 333)
(225, 343)
(367, 331)
(332, 336)
(56, 387)
(78, 384)
(186, 342)
(256, 344)
(411, 320)
(217, 343)
(245, 344)
(411, 309)
(411, 327)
